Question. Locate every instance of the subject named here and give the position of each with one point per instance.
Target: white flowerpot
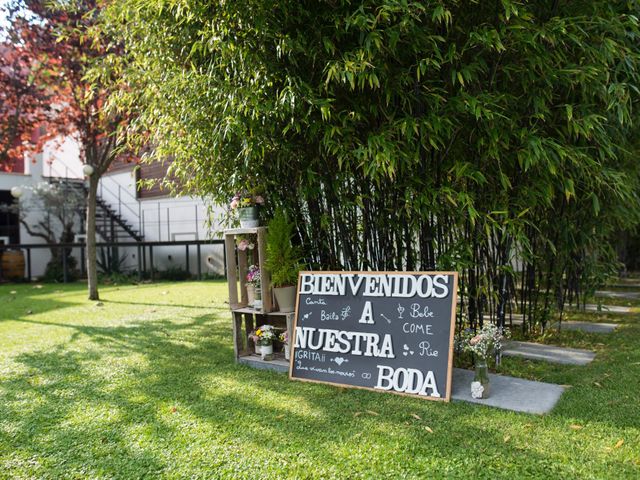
(286, 297)
(266, 351)
(286, 352)
(258, 349)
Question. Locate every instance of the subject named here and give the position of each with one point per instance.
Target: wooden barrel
(12, 265)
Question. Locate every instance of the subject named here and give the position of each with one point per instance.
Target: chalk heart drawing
(406, 352)
(339, 360)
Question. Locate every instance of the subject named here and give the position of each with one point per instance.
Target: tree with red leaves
(62, 40)
(26, 97)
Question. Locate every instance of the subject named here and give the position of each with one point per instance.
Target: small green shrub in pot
(283, 261)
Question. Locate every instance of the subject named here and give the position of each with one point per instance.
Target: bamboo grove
(494, 138)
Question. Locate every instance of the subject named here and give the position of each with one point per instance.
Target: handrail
(120, 202)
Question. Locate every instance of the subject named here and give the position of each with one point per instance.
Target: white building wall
(158, 219)
(33, 176)
(164, 219)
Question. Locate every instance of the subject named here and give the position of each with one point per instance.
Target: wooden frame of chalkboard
(450, 341)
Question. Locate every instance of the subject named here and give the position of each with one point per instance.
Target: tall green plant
(283, 258)
(496, 140)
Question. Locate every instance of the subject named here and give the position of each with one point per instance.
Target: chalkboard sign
(384, 331)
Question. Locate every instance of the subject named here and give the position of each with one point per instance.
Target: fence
(142, 248)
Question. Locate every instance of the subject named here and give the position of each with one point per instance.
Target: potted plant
(247, 205)
(283, 261)
(483, 344)
(284, 338)
(253, 285)
(263, 338)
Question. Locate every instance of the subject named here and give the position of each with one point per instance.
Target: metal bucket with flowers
(246, 203)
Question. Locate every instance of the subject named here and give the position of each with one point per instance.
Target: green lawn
(145, 385)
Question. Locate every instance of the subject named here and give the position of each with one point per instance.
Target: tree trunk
(92, 269)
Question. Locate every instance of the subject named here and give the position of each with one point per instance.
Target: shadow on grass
(122, 401)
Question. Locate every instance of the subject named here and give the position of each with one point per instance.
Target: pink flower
(234, 204)
(259, 200)
(475, 340)
(243, 245)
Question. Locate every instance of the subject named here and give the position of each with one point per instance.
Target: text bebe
(378, 285)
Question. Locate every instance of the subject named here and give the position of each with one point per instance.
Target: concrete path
(548, 353)
(509, 393)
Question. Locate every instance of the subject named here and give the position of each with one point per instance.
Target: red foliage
(43, 83)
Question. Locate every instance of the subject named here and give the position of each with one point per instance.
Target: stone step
(548, 353)
(623, 295)
(590, 327)
(509, 393)
(607, 308)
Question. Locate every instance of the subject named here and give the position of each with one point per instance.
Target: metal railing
(142, 257)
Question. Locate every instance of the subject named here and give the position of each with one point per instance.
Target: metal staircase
(110, 225)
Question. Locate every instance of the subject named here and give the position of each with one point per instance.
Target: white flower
(476, 390)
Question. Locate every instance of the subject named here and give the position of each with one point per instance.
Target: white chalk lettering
(420, 328)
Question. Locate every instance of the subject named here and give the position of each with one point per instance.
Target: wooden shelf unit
(242, 346)
(246, 318)
(238, 262)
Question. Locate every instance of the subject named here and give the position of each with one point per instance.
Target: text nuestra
(340, 341)
(375, 285)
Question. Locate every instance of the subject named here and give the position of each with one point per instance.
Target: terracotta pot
(286, 297)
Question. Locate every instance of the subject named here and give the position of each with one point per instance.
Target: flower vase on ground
(286, 352)
(480, 385)
(482, 344)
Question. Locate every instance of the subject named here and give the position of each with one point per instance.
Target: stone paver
(509, 393)
(607, 308)
(548, 353)
(590, 327)
(612, 294)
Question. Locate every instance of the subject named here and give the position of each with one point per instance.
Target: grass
(145, 385)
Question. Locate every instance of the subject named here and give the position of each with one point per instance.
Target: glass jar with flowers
(246, 203)
(263, 337)
(284, 338)
(253, 286)
(483, 344)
